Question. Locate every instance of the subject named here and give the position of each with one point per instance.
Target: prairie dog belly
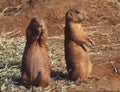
(75, 51)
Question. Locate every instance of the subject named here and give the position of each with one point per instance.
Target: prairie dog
(36, 65)
(77, 59)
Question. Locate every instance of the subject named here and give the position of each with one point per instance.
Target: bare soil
(102, 25)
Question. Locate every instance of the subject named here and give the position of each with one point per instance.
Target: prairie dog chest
(76, 28)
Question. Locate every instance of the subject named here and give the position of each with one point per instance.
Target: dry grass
(10, 62)
(11, 50)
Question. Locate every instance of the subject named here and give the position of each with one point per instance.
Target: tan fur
(77, 59)
(35, 62)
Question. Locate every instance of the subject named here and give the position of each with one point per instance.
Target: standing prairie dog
(77, 59)
(36, 65)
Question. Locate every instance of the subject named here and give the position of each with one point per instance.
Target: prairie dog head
(75, 16)
(36, 28)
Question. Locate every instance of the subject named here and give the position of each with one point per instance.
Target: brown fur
(35, 62)
(77, 59)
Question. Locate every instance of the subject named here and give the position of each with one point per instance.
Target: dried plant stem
(114, 67)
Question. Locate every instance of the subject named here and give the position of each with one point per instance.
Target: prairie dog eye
(77, 12)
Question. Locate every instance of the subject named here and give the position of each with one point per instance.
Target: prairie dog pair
(36, 63)
(77, 59)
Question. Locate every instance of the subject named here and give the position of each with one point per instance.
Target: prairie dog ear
(70, 14)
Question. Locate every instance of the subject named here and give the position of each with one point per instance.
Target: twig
(2, 13)
(56, 37)
(16, 32)
(114, 67)
(1, 45)
(108, 46)
(100, 64)
(92, 27)
(117, 25)
(114, 45)
(12, 33)
(10, 7)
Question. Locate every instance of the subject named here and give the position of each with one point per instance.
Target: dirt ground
(102, 25)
